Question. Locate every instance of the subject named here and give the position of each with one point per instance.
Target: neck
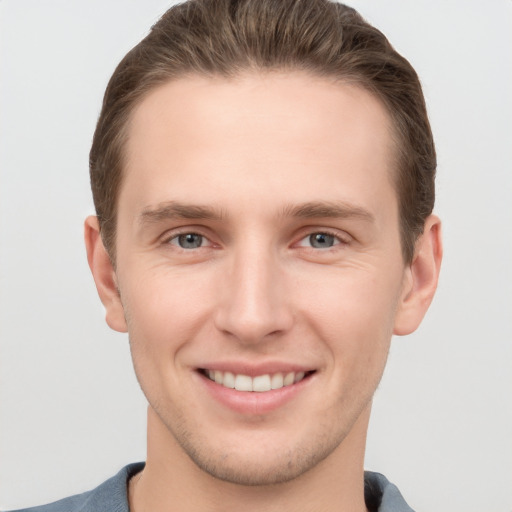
(172, 482)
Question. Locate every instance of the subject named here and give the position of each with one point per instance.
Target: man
(263, 176)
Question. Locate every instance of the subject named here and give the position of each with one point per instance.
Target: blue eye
(321, 240)
(188, 241)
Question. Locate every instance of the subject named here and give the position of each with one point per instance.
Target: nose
(254, 304)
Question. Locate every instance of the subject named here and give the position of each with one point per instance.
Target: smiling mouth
(259, 383)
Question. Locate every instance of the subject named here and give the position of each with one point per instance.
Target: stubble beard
(272, 466)
(235, 468)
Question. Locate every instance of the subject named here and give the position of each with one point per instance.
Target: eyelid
(342, 238)
(204, 241)
(172, 234)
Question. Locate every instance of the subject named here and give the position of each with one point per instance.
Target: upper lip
(253, 370)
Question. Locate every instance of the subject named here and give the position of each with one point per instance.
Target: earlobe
(420, 282)
(104, 275)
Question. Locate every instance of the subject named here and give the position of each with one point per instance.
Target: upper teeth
(260, 383)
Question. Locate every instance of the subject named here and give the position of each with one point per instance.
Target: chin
(260, 470)
(259, 460)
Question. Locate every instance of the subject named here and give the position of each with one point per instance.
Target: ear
(420, 280)
(104, 275)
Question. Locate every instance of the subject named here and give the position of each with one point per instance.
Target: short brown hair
(227, 37)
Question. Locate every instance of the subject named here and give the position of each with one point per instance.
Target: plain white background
(71, 411)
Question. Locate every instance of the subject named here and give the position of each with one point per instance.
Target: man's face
(258, 244)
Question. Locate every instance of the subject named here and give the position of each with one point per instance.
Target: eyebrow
(176, 210)
(328, 209)
(313, 209)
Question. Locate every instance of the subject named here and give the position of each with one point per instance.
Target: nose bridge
(254, 301)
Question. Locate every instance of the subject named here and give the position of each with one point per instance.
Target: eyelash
(337, 240)
(176, 236)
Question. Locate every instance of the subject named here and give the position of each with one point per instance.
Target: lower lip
(254, 402)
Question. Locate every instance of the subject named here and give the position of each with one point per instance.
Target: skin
(261, 162)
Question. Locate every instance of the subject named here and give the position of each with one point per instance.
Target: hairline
(351, 79)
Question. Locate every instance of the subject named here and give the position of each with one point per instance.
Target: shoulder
(110, 496)
(381, 495)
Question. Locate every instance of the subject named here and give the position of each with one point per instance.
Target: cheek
(165, 312)
(354, 313)
(165, 301)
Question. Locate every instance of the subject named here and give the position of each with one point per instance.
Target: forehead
(289, 132)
